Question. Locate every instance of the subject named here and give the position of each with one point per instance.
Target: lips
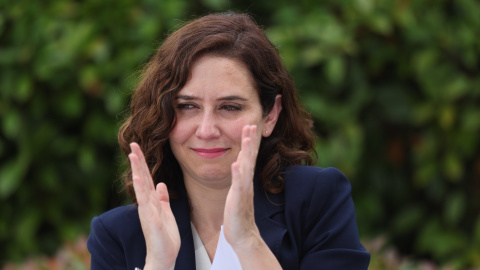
(210, 152)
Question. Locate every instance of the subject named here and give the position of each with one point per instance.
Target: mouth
(210, 152)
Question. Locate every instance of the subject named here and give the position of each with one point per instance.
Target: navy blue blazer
(310, 225)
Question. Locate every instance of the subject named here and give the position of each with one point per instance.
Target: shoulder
(308, 172)
(313, 193)
(310, 179)
(320, 217)
(119, 213)
(116, 226)
(118, 217)
(113, 234)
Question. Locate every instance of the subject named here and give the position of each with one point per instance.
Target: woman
(214, 96)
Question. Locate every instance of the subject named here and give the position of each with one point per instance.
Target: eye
(231, 108)
(186, 106)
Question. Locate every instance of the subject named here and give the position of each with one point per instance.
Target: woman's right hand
(158, 223)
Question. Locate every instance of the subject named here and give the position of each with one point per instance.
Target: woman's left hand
(239, 219)
(239, 225)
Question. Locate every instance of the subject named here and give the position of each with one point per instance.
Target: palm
(239, 219)
(158, 223)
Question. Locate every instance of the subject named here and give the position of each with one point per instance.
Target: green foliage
(66, 71)
(393, 87)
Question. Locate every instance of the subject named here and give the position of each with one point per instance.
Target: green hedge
(394, 88)
(67, 71)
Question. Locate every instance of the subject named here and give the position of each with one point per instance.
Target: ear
(272, 117)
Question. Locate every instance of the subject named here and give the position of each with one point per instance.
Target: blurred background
(393, 86)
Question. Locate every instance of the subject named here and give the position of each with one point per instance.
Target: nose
(207, 128)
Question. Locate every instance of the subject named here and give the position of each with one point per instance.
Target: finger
(162, 192)
(235, 176)
(245, 158)
(134, 164)
(245, 134)
(248, 146)
(140, 184)
(148, 207)
(251, 156)
(140, 191)
(142, 167)
(254, 145)
(138, 151)
(141, 158)
(250, 132)
(138, 172)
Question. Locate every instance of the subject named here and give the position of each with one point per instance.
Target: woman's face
(218, 100)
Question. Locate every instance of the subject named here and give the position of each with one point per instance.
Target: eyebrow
(227, 98)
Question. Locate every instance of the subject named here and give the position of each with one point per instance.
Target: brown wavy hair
(152, 115)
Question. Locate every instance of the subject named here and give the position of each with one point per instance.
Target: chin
(215, 174)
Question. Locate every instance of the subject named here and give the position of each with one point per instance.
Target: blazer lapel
(186, 255)
(269, 217)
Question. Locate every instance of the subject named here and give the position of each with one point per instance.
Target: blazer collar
(181, 210)
(270, 217)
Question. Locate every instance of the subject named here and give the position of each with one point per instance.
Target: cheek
(234, 129)
(178, 134)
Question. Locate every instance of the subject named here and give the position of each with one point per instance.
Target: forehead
(218, 74)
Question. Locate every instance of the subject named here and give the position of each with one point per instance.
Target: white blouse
(202, 261)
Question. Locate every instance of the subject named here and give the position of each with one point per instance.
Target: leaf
(407, 221)
(455, 206)
(476, 233)
(12, 124)
(335, 70)
(26, 227)
(365, 6)
(11, 174)
(216, 4)
(70, 104)
(446, 117)
(86, 158)
(439, 242)
(24, 89)
(380, 23)
(453, 167)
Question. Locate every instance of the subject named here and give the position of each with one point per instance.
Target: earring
(266, 132)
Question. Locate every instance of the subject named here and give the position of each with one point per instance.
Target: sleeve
(106, 252)
(332, 240)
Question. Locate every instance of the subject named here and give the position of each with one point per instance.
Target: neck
(207, 203)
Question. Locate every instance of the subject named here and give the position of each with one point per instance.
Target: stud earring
(266, 132)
